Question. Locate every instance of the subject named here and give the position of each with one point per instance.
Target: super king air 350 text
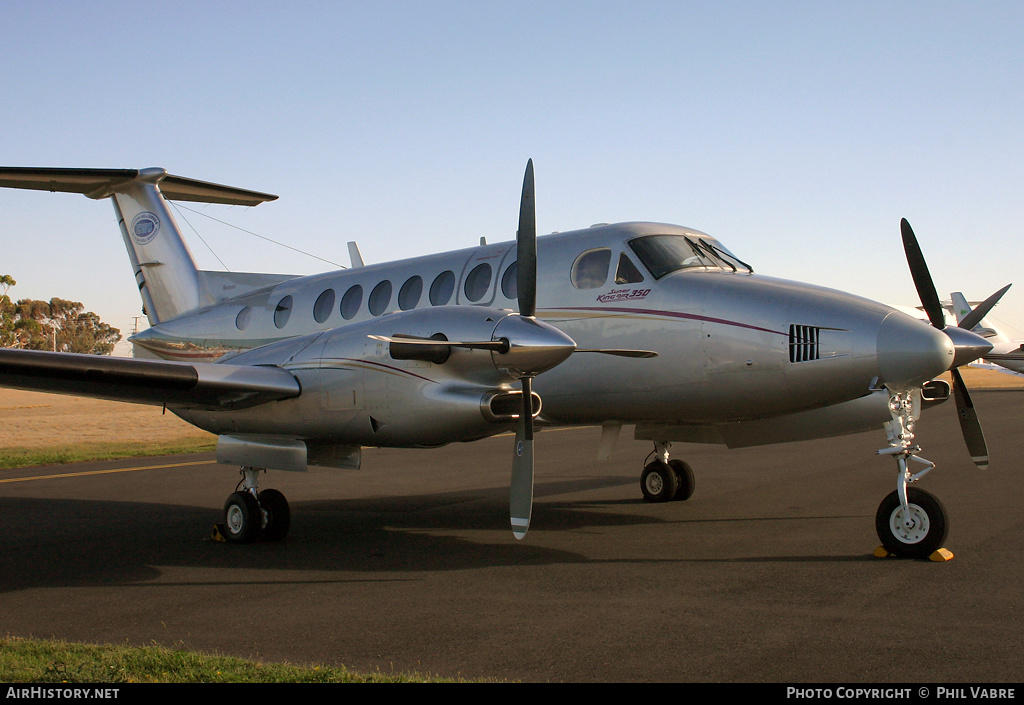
(655, 326)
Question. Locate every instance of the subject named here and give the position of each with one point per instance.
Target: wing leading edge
(177, 384)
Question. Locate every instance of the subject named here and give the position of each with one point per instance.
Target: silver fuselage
(733, 346)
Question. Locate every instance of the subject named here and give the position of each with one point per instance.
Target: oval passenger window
(409, 294)
(442, 288)
(478, 282)
(322, 307)
(283, 311)
(380, 298)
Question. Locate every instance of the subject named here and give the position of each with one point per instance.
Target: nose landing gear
(910, 522)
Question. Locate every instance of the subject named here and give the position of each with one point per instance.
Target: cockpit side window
(626, 272)
(590, 270)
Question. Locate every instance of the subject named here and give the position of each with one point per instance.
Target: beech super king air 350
(644, 324)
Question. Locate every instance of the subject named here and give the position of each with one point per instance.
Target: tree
(57, 324)
(6, 317)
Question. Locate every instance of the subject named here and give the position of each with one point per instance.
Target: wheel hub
(234, 519)
(910, 526)
(655, 485)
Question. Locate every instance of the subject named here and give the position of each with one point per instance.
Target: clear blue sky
(799, 133)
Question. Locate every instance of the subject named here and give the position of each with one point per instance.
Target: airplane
(652, 325)
(1005, 352)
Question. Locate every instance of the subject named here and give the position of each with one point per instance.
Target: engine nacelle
(361, 391)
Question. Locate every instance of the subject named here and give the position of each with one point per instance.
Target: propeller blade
(922, 278)
(620, 353)
(969, 423)
(521, 490)
(981, 310)
(526, 247)
(966, 343)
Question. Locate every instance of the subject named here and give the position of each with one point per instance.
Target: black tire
(243, 520)
(278, 515)
(658, 482)
(685, 480)
(929, 530)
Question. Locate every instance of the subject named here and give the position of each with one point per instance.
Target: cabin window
(283, 311)
(243, 318)
(478, 282)
(590, 270)
(626, 272)
(510, 282)
(409, 294)
(323, 306)
(442, 288)
(351, 302)
(380, 298)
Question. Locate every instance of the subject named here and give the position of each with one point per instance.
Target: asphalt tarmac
(765, 575)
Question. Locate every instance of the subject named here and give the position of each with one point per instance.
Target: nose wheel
(915, 531)
(251, 515)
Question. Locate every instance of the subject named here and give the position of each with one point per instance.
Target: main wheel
(658, 482)
(243, 520)
(684, 479)
(278, 515)
(916, 534)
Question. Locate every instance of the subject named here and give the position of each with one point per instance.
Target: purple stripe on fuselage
(673, 314)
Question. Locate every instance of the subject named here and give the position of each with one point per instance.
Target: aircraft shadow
(83, 543)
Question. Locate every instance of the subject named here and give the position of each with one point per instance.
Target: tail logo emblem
(145, 227)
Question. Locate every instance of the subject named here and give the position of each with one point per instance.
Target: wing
(158, 382)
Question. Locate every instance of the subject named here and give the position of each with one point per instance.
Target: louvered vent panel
(803, 343)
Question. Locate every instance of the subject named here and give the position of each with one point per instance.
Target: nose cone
(911, 352)
(969, 346)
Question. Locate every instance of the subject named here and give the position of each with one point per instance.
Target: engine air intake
(803, 343)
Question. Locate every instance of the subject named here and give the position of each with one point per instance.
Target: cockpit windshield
(664, 254)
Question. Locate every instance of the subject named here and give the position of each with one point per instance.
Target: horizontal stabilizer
(102, 183)
(174, 384)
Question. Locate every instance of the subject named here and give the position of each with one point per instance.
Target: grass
(40, 661)
(11, 458)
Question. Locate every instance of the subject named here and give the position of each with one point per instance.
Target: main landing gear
(251, 515)
(665, 480)
(910, 522)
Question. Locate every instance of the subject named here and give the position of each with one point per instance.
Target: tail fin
(961, 308)
(168, 279)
